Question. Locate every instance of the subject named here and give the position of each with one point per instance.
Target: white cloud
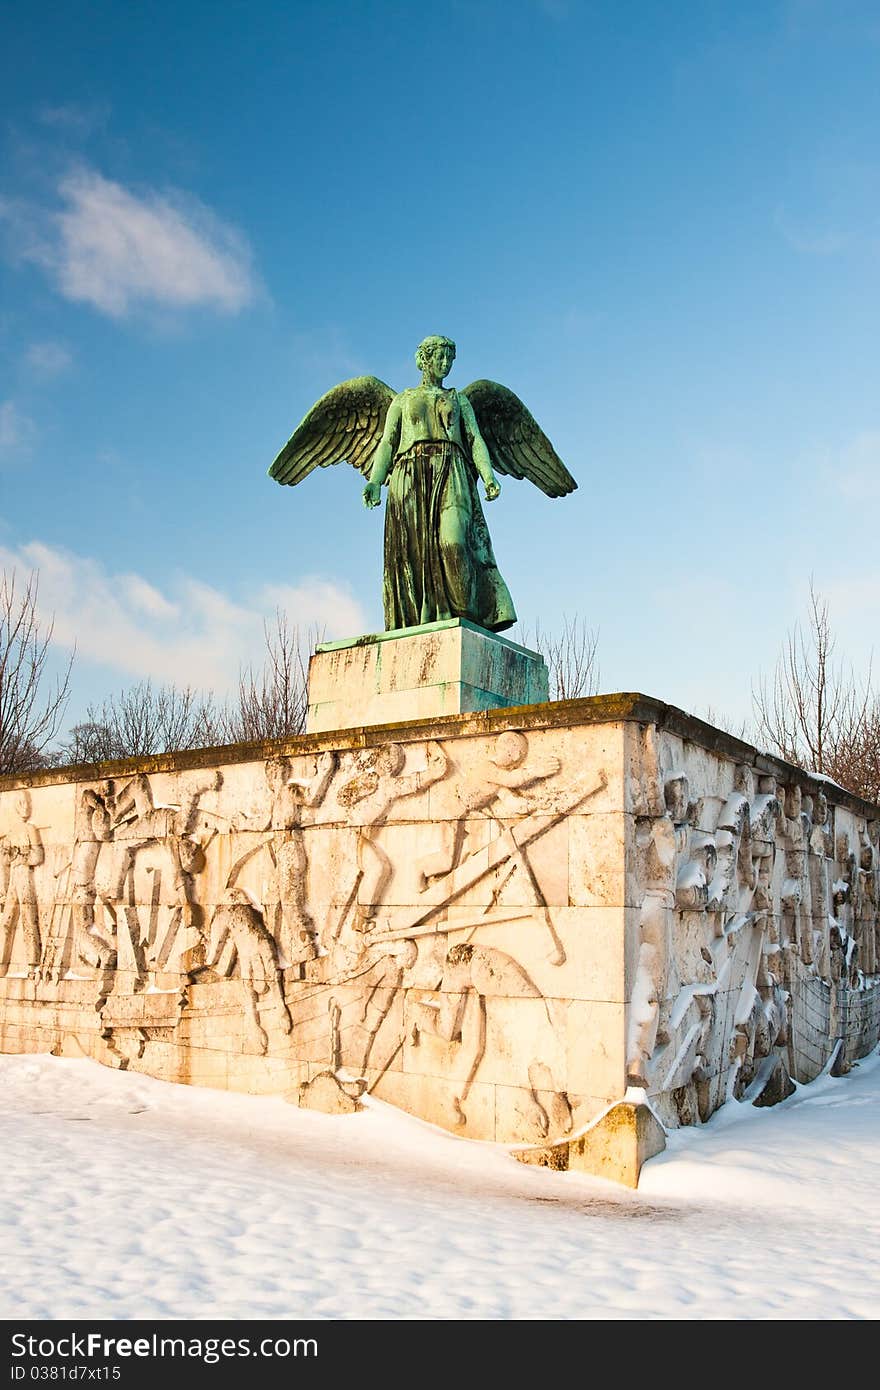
(116, 250)
(851, 589)
(856, 470)
(860, 593)
(853, 603)
(16, 430)
(73, 118)
(27, 233)
(189, 633)
(144, 598)
(329, 607)
(810, 240)
(48, 359)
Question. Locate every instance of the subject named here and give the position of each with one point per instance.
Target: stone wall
(752, 895)
(496, 921)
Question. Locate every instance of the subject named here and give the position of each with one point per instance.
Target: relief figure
(238, 935)
(21, 910)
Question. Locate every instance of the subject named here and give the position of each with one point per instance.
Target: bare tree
(273, 702)
(571, 658)
(815, 713)
(270, 703)
(31, 704)
(145, 719)
(89, 742)
(856, 757)
(737, 728)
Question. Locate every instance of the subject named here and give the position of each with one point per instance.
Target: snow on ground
(125, 1197)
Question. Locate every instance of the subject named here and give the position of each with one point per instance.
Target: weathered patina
(430, 444)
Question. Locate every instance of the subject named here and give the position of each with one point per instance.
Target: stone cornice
(622, 707)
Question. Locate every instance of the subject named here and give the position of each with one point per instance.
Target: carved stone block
(497, 921)
(616, 1146)
(420, 673)
(325, 1092)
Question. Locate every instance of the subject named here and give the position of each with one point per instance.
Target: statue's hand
(492, 490)
(372, 494)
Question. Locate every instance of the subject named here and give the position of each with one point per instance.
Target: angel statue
(430, 443)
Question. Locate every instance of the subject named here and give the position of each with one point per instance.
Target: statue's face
(274, 773)
(677, 795)
(510, 749)
(442, 357)
(390, 760)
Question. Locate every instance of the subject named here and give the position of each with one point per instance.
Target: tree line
(144, 718)
(813, 711)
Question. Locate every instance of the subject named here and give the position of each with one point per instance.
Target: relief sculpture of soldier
(93, 945)
(20, 909)
(290, 802)
(430, 444)
(138, 826)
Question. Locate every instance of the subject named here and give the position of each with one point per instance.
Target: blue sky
(658, 224)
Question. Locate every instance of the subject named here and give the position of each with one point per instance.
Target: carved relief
(672, 993)
(764, 819)
(478, 852)
(702, 930)
(794, 832)
(292, 798)
(735, 876)
(471, 972)
(21, 914)
(158, 844)
(293, 795)
(238, 941)
(5, 864)
(380, 783)
(417, 917)
(870, 861)
(77, 941)
(659, 842)
(380, 974)
(742, 912)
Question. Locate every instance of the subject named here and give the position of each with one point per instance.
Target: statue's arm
(479, 452)
(384, 456)
(37, 854)
(322, 779)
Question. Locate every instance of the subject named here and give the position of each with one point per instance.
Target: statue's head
(510, 749)
(276, 773)
(676, 794)
(389, 760)
(428, 349)
(744, 782)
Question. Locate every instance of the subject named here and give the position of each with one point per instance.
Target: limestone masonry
(513, 923)
(450, 667)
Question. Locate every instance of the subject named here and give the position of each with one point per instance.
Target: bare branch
(571, 658)
(273, 702)
(815, 713)
(143, 720)
(31, 706)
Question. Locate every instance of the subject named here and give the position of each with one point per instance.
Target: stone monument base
(491, 920)
(451, 667)
(615, 1146)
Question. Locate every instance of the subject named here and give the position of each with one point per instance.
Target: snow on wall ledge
(498, 922)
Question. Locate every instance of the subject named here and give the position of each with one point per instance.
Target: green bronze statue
(430, 444)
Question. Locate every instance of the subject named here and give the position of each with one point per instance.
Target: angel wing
(344, 425)
(515, 440)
